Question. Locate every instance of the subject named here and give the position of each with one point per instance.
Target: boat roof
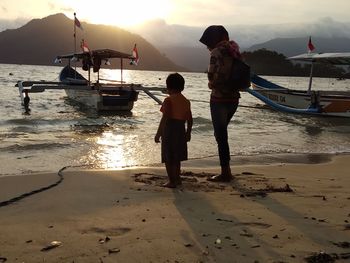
(98, 53)
(328, 58)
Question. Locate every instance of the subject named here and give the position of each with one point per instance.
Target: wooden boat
(107, 96)
(323, 103)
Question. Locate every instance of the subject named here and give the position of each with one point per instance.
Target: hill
(39, 41)
(296, 46)
(279, 65)
(180, 42)
(196, 58)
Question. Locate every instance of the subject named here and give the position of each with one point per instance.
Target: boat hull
(327, 103)
(117, 97)
(103, 101)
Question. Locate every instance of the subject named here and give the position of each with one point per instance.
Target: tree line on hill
(266, 62)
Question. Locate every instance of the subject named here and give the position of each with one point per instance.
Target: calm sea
(59, 133)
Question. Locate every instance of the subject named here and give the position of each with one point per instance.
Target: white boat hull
(329, 103)
(97, 100)
(101, 97)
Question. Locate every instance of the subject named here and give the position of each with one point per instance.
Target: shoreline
(269, 213)
(266, 159)
(257, 159)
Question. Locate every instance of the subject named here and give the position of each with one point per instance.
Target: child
(176, 111)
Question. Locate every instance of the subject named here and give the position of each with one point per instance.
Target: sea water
(59, 133)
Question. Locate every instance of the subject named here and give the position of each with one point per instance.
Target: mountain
(181, 45)
(163, 46)
(194, 58)
(279, 65)
(178, 42)
(197, 58)
(40, 40)
(295, 46)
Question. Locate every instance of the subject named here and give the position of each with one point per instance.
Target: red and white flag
(84, 46)
(135, 54)
(77, 23)
(310, 46)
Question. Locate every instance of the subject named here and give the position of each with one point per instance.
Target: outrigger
(310, 101)
(107, 96)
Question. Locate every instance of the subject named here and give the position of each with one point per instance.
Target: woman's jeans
(221, 114)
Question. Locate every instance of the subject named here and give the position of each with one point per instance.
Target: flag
(84, 46)
(77, 23)
(136, 58)
(310, 46)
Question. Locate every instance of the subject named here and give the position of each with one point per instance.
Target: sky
(14, 13)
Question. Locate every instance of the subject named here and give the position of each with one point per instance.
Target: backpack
(240, 75)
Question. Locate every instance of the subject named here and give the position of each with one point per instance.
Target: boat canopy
(328, 58)
(94, 58)
(98, 53)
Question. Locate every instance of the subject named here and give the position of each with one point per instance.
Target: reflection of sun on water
(115, 74)
(113, 151)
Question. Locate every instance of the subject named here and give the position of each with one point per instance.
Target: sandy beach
(282, 212)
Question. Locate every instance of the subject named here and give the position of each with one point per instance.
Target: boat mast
(310, 80)
(121, 71)
(75, 45)
(89, 72)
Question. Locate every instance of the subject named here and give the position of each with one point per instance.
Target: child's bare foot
(169, 185)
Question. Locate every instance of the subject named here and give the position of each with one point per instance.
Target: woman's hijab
(213, 35)
(216, 35)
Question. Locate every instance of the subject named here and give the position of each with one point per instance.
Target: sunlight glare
(114, 150)
(115, 75)
(120, 13)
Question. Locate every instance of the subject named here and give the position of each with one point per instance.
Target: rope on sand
(22, 196)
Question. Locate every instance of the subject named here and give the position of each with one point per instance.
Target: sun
(120, 13)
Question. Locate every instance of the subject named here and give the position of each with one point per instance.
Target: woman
(223, 99)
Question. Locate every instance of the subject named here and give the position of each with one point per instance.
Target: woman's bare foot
(225, 176)
(220, 178)
(226, 172)
(169, 185)
(178, 180)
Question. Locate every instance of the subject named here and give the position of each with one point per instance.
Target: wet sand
(280, 212)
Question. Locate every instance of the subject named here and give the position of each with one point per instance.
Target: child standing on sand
(174, 135)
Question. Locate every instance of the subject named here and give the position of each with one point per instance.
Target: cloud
(12, 24)
(59, 8)
(253, 12)
(67, 9)
(201, 12)
(159, 33)
(52, 6)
